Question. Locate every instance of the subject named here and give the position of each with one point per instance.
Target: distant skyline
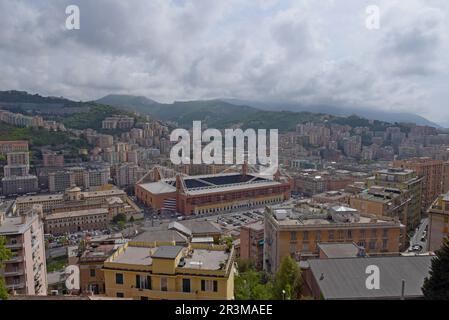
(307, 51)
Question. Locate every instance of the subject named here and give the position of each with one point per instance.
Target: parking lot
(236, 220)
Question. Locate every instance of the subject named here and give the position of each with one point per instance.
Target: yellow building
(143, 271)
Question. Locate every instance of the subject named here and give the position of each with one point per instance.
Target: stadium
(212, 193)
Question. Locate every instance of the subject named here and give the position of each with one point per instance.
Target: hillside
(76, 115)
(221, 114)
(40, 137)
(341, 111)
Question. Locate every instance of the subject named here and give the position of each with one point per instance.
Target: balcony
(169, 295)
(14, 259)
(18, 245)
(12, 273)
(15, 286)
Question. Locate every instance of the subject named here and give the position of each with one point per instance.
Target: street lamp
(283, 294)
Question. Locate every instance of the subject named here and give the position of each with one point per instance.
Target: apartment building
(432, 173)
(297, 231)
(251, 243)
(142, 271)
(25, 272)
(13, 146)
(14, 185)
(60, 223)
(91, 264)
(118, 122)
(383, 202)
(438, 227)
(406, 180)
(52, 159)
(71, 197)
(84, 177)
(18, 158)
(445, 186)
(15, 170)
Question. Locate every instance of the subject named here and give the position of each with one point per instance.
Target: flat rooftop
(206, 259)
(14, 225)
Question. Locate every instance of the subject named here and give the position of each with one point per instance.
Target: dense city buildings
(25, 272)
(297, 231)
(407, 181)
(432, 173)
(142, 271)
(438, 222)
(213, 193)
(86, 177)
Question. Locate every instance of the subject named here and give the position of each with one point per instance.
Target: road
(419, 233)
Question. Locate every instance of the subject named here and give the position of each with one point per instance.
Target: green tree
(436, 287)
(119, 217)
(5, 254)
(287, 281)
(249, 286)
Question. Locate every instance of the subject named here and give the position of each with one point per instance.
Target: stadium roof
(196, 185)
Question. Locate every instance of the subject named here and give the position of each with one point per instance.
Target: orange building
(432, 173)
(212, 193)
(297, 231)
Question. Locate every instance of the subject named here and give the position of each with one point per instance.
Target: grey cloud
(263, 50)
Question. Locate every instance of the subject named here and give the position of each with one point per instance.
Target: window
(293, 236)
(164, 284)
(349, 234)
(331, 234)
(372, 244)
(385, 233)
(362, 234)
(119, 278)
(318, 235)
(92, 273)
(385, 244)
(305, 235)
(185, 285)
(120, 295)
(209, 285)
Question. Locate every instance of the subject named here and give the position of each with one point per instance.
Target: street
(419, 234)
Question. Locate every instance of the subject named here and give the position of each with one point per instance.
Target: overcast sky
(311, 51)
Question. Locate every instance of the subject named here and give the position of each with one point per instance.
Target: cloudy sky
(304, 51)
